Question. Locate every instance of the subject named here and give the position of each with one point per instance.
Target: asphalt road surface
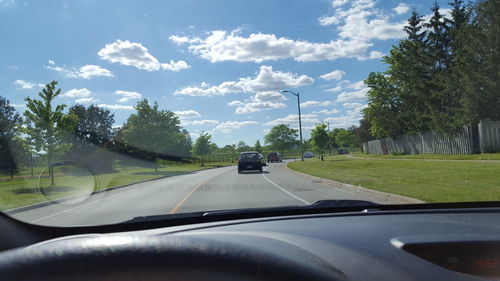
(214, 189)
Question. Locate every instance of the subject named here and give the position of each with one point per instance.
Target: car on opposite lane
(249, 160)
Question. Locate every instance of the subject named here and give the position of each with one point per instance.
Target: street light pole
(300, 123)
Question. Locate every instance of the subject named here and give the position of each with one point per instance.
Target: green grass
(24, 190)
(430, 181)
(482, 156)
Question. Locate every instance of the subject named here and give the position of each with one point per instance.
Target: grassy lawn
(425, 180)
(482, 156)
(23, 190)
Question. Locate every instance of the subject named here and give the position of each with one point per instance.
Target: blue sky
(220, 65)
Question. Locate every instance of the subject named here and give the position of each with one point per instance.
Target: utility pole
(300, 123)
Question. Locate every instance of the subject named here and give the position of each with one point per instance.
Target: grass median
(430, 181)
(24, 190)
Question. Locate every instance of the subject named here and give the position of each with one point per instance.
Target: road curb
(51, 202)
(383, 196)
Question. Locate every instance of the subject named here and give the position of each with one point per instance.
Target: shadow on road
(253, 172)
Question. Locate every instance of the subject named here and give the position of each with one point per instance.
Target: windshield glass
(111, 110)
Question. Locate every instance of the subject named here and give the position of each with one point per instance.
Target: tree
(153, 134)
(92, 137)
(479, 61)
(257, 147)
(242, 146)
(48, 127)
(319, 136)
(202, 146)
(95, 124)
(10, 149)
(281, 137)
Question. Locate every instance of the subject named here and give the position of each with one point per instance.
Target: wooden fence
(471, 139)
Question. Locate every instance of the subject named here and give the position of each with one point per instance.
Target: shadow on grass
(46, 190)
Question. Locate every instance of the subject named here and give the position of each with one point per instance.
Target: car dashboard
(456, 244)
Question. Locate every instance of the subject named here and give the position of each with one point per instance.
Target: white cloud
(221, 45)
(402, 8)
(22, 84)
(265, 81)
(187, 114)
(334, 75)
(116, 106)
(175, 65)
(361, 21)
(86, 100)
(346, 85)
(77, 93)
(293, 119)
(337, 3)
(136, 55)
(326, 111)
(260, 102)
(128, 95)
(228, 126)
(311, 103)
(336, 89)
(201, 122)
(353, 96)
(86, 72)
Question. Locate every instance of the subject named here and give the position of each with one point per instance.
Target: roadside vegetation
(430, 181)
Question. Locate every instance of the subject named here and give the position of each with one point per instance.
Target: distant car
(308, 154)
(262, 159)
(274, 157)
(249, 161)
(343, 151)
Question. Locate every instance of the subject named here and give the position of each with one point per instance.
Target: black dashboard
(447, 244)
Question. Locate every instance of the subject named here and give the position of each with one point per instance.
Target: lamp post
(300, 123)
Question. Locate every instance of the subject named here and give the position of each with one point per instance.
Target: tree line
(444, 75)
(88, 134)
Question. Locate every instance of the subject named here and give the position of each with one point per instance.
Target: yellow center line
(178, 206)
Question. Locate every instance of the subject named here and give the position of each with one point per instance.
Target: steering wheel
(165, 257)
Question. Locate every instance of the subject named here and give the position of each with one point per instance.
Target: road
(214, 189)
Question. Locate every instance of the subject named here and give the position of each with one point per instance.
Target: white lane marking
(286, 191)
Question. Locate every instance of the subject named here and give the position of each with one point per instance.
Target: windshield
(111, 110)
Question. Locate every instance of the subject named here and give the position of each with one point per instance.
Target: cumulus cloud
(229, 126)
(259, 102)
(77, 93)
(128, 95)
(116, 106)
(136, 55)
(266, 80)
(22, 84)
(205, 122)
(326, 111)
(293, 119)
(86, 100)
(221, 45)
(86, 72)
(353, 96)
(334, 75)
(311, 103)
(402, 8)
(361, 21)
(187, 114)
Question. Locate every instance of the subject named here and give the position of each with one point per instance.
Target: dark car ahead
(249, 161)
(273, 157)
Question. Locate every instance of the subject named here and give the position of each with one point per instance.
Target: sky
(221, 66)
